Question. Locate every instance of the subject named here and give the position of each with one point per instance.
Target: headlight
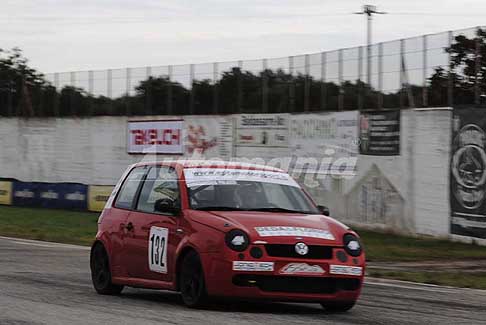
(237, 240)
(352, 245)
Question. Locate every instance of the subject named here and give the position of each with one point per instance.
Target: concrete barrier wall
(405, 193)
(409, 192)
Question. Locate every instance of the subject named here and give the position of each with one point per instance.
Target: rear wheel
(338, 307)
(101, 274)
(192, 285)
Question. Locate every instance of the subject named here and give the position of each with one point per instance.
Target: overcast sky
(66, 35)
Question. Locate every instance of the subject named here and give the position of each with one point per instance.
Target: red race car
(224, 230)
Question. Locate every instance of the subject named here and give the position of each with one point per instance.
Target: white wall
(93, 151)
(431, 160)
(420, 175)
(89, 151)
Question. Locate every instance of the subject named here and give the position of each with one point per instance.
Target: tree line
(26, 92)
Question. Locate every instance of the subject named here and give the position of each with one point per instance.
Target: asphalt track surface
(46, 283)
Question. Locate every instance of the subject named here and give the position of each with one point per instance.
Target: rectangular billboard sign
(161, 137)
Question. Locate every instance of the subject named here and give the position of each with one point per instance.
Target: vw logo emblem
(301, 249)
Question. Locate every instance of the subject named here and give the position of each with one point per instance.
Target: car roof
(211, 164)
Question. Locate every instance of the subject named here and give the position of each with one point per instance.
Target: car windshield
(250, 196)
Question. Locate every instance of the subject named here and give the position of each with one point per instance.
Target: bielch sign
(162, 137)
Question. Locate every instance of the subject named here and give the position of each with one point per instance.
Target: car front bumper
(276, 284)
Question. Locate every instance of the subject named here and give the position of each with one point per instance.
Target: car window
(161, 183)
(129, 188)
(248, 195)
(277, 197)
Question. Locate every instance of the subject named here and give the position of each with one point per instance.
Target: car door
(118, 214)
(150, 249)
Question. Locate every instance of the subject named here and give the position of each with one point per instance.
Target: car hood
(272, 227)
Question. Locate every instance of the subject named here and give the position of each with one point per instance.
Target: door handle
(129, 226)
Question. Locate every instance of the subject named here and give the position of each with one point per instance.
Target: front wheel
(338, 307)
(192, 285)
(101, 274)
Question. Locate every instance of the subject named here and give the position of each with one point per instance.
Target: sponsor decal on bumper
(253, 266)
(294, 232)
(301, 268)
(345, 270)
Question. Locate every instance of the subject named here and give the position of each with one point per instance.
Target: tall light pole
(369, 11)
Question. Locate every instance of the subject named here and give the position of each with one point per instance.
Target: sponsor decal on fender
(253, 266)
(294, 232)
(301, 268)
(345, 270)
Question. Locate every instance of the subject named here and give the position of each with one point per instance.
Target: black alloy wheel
(100, 272)
(192, 285)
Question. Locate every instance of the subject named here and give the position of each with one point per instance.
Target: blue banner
(25, 194)
(50, 195)
(74, 196)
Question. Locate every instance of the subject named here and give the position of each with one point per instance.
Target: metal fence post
(450, 83)
(170, 102)
(58, 91)
(425, 98)
(402, 72)
(291, 85)
(91, 92)
(148, 90)
(72, 100)
(477, 63)
(239, 85)
(380, 76)
(128, 75)
(192, 94)
(109, 83)
(340, 78)
(265, 86)
(215, 87)
(128, 81)
(323, 81)
(72, 76)
(90, 82)
(307, 83)
(360, 75)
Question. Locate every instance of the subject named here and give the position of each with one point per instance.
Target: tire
(192, 285)
(338, 307)
(101, 274)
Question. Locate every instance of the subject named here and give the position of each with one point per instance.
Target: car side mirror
(166, 206)
(324, 210)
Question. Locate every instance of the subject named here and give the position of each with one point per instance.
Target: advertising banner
(209, 137)
(97, 197)
(5, 193)
(380, 133)
(263, 136)
(25, 194)
(73, 196)
(161, 137)
(50, 195)
(325, 137)
(468, 173)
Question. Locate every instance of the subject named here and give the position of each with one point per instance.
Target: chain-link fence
(442, 69)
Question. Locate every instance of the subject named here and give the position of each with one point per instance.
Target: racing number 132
(158, 249)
